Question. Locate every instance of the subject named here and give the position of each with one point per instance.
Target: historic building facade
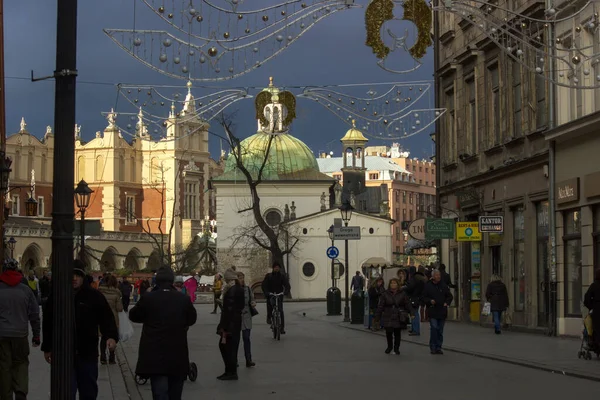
(492, 160)
(145, 190)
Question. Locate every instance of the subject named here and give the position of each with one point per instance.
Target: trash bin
(334, 301)
(357, 307)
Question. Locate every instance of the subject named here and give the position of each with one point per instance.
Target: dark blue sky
(332, 52)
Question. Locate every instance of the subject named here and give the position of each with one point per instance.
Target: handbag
(486, 309)
(125, 327)
(253, 310)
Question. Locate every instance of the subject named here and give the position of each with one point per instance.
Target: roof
(354, 135)
(372, 163)
(289, 159)
(336, 210)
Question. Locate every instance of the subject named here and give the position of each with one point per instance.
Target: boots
(111, 358)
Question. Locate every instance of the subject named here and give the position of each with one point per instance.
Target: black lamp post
(5, 163)
(82, 199)
(11, 246)
(330, 233)
(346, 211)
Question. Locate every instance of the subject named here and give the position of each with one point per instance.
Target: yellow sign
(468, 232)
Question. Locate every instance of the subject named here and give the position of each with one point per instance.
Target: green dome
(289, 159)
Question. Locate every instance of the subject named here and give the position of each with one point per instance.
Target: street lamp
(82, 199)
(346, 211)
(11, 246)
(330, 233)
(31, 207)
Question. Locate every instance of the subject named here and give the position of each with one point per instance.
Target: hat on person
(179, 279)
(165, 275)
(230, 275)
(79, 268)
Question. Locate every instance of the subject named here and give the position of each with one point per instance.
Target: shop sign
(416, 229)
(468, 232)
(439, 228)
(567, 191)
(493, 224)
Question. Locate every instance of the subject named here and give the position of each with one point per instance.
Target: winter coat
(233, 306)
(358, 283)
(125, 288)
(246, 314)
(167, 315)
(441, 294)
(592, 302)
(92, 312)
(113, 297)
(375, 293)
(394, 309)
(18, 307)
(497, 295)
(415, 288)
(275, 282)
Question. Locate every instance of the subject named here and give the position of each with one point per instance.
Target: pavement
(318, 359)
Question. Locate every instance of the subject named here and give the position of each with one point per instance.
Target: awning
(377, 262)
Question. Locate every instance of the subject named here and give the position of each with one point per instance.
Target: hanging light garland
(215, 43)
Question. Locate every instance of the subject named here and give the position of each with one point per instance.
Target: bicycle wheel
(277, 331)
(274, 325)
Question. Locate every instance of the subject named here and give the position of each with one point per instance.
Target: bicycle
(276, 315)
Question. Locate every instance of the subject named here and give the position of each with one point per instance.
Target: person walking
(437, 297)
(414, 290)
(230, 325)
(45, 286)
(166, 315)
(394, 308)
(358, 282)
(423, 310)
(375, 292)
(247, 314)
(497, 295)
(34, 284)
(144, 287)
(217, 291)
(113, 296)
(446, 277)
(591, 301)
(276, 282)
(18, 307)
(125, 287)
(92, 313)
(136, 289)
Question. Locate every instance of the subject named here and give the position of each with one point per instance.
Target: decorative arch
(154, 261)
(99, 168)
(122, 168)
(80, 168)
(108, 262)
(32, 258)
(133, 260)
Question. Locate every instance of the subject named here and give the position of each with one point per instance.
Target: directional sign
(346, 233)
(333, 252)
(493, 224)
(468, 232)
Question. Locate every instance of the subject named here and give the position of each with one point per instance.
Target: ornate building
(146, 191)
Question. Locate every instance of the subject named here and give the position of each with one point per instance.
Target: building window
(410, 198)
(426, 170)
(404, 196)
(414, 168)
(308, 269)
(494, 98)
(411, 215)
(517, 99)
(190, 200)
(397, 195)
(16, 205)
(572, 245)
(132, 176)
(426, 183)
(397, 233)
(540, 96)
(519, 258)
(41, 209)
(472, 117)
(420, 169)
(404, 214)
(543, 232)
(450, 131)
(397, 214)
(130, 210)
(374, 176)
(273, 218)
(596, 235)
(420, 181)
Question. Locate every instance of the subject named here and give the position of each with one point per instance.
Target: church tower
(353, 145)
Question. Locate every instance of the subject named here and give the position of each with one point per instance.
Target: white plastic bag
(125, 327)
(486, 309)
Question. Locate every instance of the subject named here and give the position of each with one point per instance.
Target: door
(466, 282)
(543, 278)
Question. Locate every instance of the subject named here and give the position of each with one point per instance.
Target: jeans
(416, 323)
(270, 304)
(497, 315)
(14, 368)
(229, 351)
(86, 379)
(436, 333)
(393, 338)
(247, 344)
(167, 387)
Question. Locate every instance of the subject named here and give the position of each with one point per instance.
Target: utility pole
(63, 351)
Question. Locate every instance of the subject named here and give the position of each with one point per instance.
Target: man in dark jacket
(92, 313)
(18, 307)
(167, 315)
(275, 282)
(125, 288)
(230, 325)
(358, 282)
(437, 297)
(414, 289)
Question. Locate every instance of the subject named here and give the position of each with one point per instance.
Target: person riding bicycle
(275, 282)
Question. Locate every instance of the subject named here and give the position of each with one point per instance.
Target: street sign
(346, 233)
(332, 252)
(416, 229)
(468, 232)
(439, 228)
(494, 224)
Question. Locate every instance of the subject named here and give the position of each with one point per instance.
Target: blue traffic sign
(333, 252)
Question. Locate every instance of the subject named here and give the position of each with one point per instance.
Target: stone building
(144, 189)
(493, 160)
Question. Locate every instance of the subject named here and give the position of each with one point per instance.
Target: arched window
(132, 168)
(273, 218)
(99, 168)
(308, 269)
(80, 168)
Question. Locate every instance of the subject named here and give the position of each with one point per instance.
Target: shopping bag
(486, 309)
(125, 327)
(507, 318)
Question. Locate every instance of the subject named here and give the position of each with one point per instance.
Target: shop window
(543, 273)
(572, 262)
(596, 235)
(519, 258)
